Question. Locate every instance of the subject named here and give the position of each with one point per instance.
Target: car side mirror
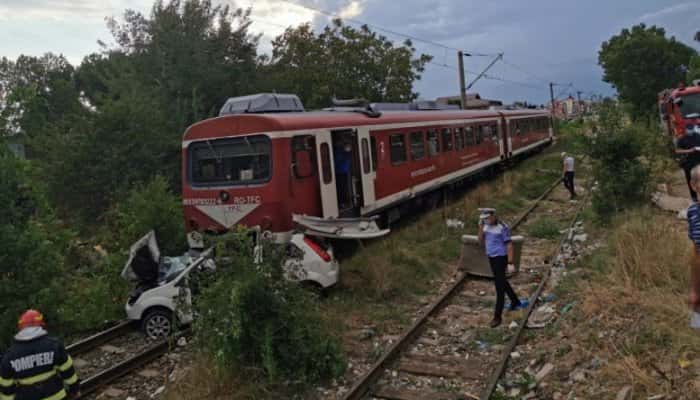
(302, 164)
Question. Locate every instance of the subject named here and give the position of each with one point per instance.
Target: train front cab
(245, 180)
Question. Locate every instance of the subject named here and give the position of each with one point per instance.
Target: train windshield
(231, 161)
(690, 106)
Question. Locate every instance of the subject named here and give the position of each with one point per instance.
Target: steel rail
(104, 377)
(89, 343)
(496, 375)
(360, 388)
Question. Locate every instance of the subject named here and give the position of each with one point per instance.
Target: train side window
(479, 132)
(398, 149)
(417, 146)
(433, 144)
(326, 163)
(469, 136)
(365, 156)
(459, 139)
(373, 142)
(485, 132)
(446, 139)
(494, 132)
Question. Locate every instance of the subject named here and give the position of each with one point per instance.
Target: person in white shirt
(568, 173)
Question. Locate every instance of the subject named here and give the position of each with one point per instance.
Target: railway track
(420, 366)
(117, 351)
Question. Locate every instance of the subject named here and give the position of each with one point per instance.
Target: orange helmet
(30, 318)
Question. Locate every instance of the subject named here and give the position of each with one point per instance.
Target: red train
(266, 162)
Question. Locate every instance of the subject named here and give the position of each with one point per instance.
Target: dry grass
(638, 299)
(202, 379)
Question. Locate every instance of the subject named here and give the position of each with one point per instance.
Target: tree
(31, 257)
(343, 62)
(694, 68)
(640, 62)
(36, 93)
(116, 121)
(194, 54)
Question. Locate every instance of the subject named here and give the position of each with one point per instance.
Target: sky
(541, 41)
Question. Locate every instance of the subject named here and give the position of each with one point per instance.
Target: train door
(332, 159)
(503, 141)
(326, 177)
(348, 172)
(510, 131)
(368, 170)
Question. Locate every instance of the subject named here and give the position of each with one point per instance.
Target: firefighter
(36, 366)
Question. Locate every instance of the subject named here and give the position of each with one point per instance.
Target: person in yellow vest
(36, 366)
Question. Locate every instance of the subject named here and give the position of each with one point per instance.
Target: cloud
(56, 10)
(668, 11)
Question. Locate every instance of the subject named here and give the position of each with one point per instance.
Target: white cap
(563, 154)
(486, 212)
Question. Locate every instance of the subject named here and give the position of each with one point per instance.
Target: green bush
(621, 155)
(250, 316)
(33, 246)
(152, 206)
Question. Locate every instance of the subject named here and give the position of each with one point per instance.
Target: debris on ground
(454, 223)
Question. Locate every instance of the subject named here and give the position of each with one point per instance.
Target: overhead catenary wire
(521, 69)
(426, 41)
(385, 30)
(489, 77)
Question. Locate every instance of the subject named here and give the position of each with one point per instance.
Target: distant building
(570, 108)
(474, 101)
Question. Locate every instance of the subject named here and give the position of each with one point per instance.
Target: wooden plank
(438, 370)
(405, 394)
(445, 360)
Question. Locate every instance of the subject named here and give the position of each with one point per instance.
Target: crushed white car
(162, 296)
(161, 291)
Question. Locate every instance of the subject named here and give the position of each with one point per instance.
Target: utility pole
(551, 106)
(580, 105)
(462, 89)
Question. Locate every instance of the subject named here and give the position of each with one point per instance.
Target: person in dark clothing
(688, 147)
(36, 366)
(495, 235)
(342, 174)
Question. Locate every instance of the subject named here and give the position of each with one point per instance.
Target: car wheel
(157, 324)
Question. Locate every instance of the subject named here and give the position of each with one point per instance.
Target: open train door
(330, 225)
(326, 176)
(367, 169)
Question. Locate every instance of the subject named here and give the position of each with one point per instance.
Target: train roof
(229, 125)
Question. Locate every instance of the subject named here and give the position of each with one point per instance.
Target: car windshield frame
(230, 153)
(690, 105)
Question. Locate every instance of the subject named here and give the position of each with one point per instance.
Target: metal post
(580, 105)
(551, 106)
(462, 89)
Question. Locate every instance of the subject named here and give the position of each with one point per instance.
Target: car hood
(143, 262)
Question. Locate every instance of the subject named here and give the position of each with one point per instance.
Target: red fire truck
(680, 110)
